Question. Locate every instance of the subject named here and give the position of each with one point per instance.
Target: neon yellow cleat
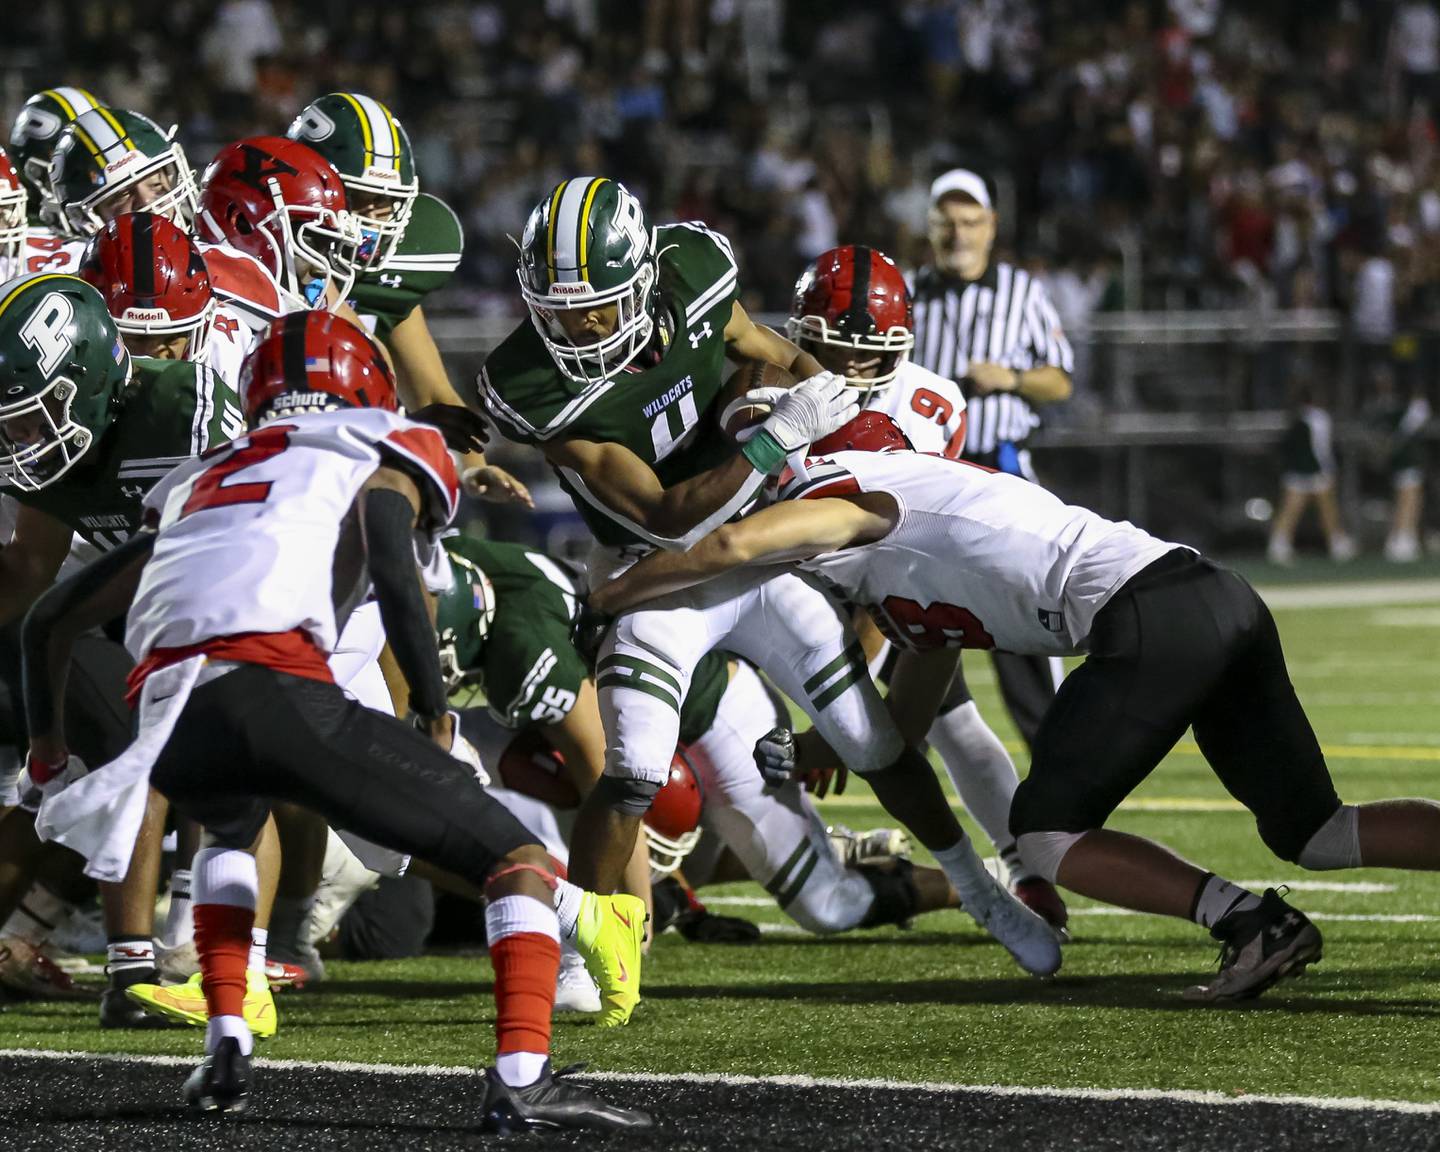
(186, 1002)
(608, 934)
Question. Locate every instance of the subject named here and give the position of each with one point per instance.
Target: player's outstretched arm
(746, 340)
(98, 593)
(30, 562)
(790, 530)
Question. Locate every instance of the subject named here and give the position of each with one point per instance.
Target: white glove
(33, 794)
(813, 408)
(465, 752)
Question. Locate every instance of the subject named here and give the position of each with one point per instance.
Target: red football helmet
(12, 218)
(672, 826)
(155, 284)
(314, 362)
(283, 203)
(853, 300)
(868, 432)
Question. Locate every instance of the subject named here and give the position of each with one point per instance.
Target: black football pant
(1184, 643)
(255, 735)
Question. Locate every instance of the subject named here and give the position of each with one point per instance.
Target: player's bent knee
(1335, 844)
(882, 751)
(628, 795)
(1044, 851)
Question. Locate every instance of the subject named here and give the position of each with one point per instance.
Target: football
(737, 415)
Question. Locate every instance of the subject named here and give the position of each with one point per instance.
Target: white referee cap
(963, 181)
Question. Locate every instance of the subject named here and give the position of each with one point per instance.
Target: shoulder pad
(243, 282)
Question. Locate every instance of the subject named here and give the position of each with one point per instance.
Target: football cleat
(609, 933)
(553, 1101)
(177, 965)
(304, 959)
(117, 1010)
(282, 974)
(1042, 898)
(1027, 937)
(575, 991)
(223, 1082)
(878, 846)
(185, 1003)
(27, 972)
(1259, 947)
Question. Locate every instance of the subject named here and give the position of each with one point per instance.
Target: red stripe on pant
(526, 965)
(222, 937)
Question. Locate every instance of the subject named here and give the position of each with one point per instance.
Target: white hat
(963, 181)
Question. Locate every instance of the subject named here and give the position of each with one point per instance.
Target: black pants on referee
(1184, 643)
(255, 735)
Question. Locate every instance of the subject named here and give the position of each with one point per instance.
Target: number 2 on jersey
(935, 625)
(210, 489)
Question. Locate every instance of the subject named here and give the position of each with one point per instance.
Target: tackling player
(232, 610)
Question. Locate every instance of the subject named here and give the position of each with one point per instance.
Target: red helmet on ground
(853, 299)
(283, 203)
(155, 283)
(870, 431)
(672, 826)
(12, 218)
(314, 362)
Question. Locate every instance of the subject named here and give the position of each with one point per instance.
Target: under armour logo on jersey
(132, 491)
(391, 279)
(705, 333)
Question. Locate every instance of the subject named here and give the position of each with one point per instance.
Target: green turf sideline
(1179, 1096)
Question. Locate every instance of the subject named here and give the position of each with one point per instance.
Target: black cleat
(222, 1083)
(1258, 948)
(553, 1101)
(118, 1011)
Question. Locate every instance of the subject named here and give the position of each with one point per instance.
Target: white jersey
(45, 250)
(231, 340)
(978, 559)
(248, 534)
(929, 409)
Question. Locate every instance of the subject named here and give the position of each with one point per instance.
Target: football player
(852, 312)
(948, 555)
(615, 378)
(412, 246)
(231, 614)
(33, 135)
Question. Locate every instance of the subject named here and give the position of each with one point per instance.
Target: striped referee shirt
(1006, 318)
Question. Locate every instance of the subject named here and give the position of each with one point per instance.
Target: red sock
(222, 937)
(526, 965)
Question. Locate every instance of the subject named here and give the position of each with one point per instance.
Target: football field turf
(937, 1003)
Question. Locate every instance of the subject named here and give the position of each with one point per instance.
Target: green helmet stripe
(550, 218)
(72, 101)
(367, 130)
(569, 229)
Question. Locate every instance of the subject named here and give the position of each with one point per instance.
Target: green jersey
(529, 670)
(424, 260)
(170, 411)
(658, 412)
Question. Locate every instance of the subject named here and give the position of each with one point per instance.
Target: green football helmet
(63, 369)
(586, 245)
(463, 617)
(33, 136)
(110, 161)
(371, 151)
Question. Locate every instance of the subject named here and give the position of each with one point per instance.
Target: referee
(991, 328)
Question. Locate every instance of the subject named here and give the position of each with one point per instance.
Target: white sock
(259, 937)
(218, 1027)
(966, 873)
(518, 1069)
(979, 767)
(179, 924)
(1218, 898)
(567, 907)
(38, 915)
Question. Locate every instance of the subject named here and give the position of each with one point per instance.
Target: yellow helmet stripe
(111, 119)
(30, 282)
(96, 152)
(585, 232)
(367, 138)
(550, 229)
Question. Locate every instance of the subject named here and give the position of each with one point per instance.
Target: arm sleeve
(390, 550)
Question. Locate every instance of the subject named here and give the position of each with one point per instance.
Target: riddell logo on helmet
(129, 160)
(387, 174)
(145, 314)
(580, 289)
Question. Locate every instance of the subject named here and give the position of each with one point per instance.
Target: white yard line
(1178, 1096)
(1360, 593)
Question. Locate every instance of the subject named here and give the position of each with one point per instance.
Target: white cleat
(1032, 942)
(343, 879)
(878, 846)
(575, 991)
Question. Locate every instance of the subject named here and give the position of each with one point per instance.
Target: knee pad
(1336, 844)
(896, 896)
(1042, 852)
(629, 795)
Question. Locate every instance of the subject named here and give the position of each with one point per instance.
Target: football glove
(813, 408)
(39, 781)
(775, 756)
(466, 753)
(704, 927)
(464, 431)
(588, 634)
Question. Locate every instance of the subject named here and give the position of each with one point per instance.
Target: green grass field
(938, 1003)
